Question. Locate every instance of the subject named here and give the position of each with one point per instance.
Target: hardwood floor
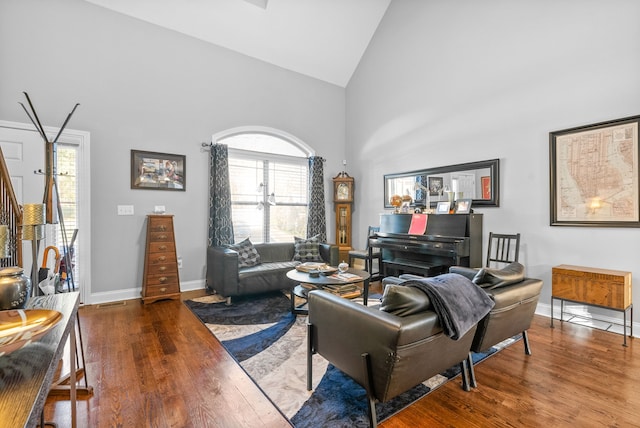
(156, 365)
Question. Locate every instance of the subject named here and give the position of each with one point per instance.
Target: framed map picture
(594, 175)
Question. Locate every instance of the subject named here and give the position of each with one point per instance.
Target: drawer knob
(162, 228)
(162, 268)
(163, 237)
(162, 258)
(162, 279)
(163, 289)
(163, 247)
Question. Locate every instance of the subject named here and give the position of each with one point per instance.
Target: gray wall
(450, 82)
(143, 87)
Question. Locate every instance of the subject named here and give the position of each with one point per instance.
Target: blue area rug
(270, 344)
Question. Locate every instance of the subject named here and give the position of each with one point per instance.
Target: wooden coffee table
(298, 277)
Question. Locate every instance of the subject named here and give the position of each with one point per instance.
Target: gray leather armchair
(384, 353)
(516, 299)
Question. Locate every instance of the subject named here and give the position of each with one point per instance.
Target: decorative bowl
(19, 327)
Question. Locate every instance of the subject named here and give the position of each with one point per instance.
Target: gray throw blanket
(459, 303)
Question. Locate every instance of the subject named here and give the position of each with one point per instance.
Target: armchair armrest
(467, 272)
(222, 270)
(407, 276)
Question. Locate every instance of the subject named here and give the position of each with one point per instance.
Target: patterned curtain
(316, 217)
(220, 224)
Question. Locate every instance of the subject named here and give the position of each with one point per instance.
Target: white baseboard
(544, 309)
(134, 293)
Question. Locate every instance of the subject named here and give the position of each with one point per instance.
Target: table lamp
(33, 221)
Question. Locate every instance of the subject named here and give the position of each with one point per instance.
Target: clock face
(342, 193)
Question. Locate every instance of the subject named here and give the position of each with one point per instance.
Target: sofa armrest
(330, 254)
(222, 271)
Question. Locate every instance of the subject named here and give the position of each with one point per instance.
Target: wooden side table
(604, 288)
(27, 374)
(160, 279)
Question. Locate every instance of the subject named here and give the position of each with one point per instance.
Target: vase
(450, 197)
(14, 288)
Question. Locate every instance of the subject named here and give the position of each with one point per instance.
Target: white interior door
(24, 152)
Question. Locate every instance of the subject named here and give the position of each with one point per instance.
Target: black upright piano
(449, 240)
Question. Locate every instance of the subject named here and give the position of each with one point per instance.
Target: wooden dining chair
(364, 255)
(502, 249)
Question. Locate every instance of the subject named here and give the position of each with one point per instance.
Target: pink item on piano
(418, 224)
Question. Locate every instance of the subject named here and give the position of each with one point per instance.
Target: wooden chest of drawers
(160, 279)
(610, 289)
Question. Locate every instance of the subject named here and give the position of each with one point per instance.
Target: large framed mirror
(478, 181)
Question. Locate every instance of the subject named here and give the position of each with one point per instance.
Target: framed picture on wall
(594, 174)
(157, 171)
(486, 187)
(436, 186)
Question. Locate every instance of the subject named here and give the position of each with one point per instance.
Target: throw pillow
(307, 250)
(402, 301)
(247, 253)
(488, 278)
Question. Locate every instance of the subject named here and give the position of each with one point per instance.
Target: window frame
(267, 157)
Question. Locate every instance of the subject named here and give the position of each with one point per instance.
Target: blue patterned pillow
(307, 250)
(247, 253)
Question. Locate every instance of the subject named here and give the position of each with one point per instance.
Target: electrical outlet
(125, 209)
(179, 262)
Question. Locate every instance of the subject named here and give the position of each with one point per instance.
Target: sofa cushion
(265, 277)
(247, 254)
(275, 251)
(307, 250)
(402, 301)
(488, 278)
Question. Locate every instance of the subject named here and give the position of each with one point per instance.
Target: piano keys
(449, 240)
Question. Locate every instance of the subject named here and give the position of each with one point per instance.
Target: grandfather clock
(343, 199)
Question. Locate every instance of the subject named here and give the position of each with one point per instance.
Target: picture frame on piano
(463, 206)
(443, 207)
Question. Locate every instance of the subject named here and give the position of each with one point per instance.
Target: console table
(609, 289)
(26, 374)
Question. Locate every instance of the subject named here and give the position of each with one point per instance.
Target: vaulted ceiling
(324, 39)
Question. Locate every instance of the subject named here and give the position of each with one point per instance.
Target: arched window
(268, 172)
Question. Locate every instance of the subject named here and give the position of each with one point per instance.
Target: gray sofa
(224, 277)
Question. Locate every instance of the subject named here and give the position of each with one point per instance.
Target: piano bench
(413, 266)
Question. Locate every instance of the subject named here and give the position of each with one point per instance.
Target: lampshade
(31, 232)
(33, 214)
